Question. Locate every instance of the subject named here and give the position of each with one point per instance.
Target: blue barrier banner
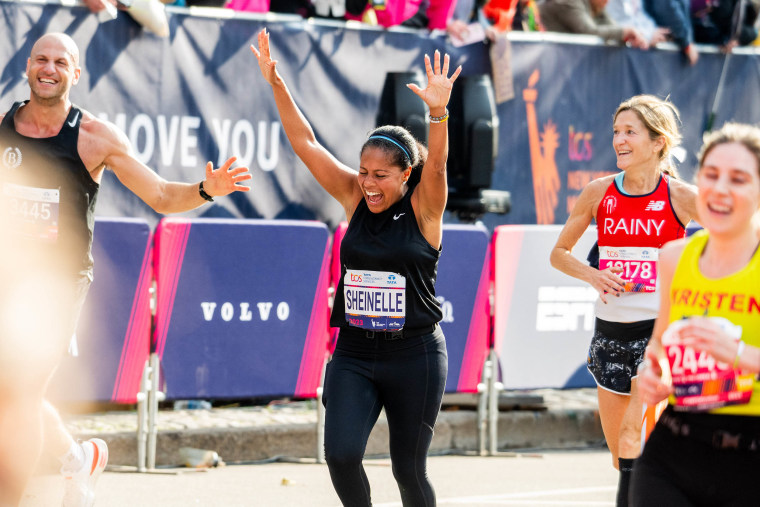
(198, 95)
(462, 289)
(242, 307)
(543, 319)
(113, 336)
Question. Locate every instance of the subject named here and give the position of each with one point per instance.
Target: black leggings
(406, 377)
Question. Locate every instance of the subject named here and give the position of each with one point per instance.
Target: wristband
(204, 194)
(439, 119)
(739, 351)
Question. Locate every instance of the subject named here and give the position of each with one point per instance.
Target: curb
(455, 431)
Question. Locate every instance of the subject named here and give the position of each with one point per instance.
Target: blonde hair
(661, 118)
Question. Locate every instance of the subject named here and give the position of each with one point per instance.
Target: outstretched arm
(431, 192)
(103, 145)
(338, 179)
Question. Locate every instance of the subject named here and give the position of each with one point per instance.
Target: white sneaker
(79, 487)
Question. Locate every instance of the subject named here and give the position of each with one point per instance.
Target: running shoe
(79, 487)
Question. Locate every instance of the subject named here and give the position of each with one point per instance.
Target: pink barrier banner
(242, 307)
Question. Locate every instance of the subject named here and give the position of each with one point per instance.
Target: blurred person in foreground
(636, 211)
(54, 155)
(705, 349)
(587, 17)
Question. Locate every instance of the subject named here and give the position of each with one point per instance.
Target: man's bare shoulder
(102, 132)
(94, 125)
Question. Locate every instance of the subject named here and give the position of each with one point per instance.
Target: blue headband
(406, 152)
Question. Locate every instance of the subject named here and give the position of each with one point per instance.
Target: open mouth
(374, 197)
(721, 209)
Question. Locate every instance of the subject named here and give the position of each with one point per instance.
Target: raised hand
(266, 64)
(224, 181)
(438, 90)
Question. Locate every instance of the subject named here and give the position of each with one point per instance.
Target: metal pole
(321, 418)
(483, 405)
(142, 418)
(494, 388)
(154, 396)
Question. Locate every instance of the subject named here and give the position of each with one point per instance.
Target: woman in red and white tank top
(636, 211)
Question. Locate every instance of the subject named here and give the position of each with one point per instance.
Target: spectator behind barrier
(492, 16)
(430, 14)
(587, 17)
(720, 22)
(151, 14)
(632, 13)
(674, 14)
(248, 5)
(513, 15)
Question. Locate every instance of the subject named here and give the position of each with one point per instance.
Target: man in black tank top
(53, 155)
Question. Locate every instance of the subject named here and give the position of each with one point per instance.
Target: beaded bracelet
(439, 119)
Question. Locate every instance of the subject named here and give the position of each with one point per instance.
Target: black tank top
(391, 241)
(54, 228)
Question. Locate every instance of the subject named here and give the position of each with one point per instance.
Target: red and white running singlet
(631, 230)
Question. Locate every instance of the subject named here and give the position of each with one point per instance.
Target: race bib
(375, 300)
(31, 213)
(699, 381)
(639, 266)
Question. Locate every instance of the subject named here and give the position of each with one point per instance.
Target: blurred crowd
(637, 23)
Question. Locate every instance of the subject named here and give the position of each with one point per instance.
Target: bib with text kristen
(699, 381)
(639, 265)
(375, 300)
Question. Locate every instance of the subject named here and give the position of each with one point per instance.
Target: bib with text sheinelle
(375, 300)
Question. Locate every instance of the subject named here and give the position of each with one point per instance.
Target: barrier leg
(142, 418)
(154, 397)
(320, 427)
(494, 388)
(483, 386)
(321, 418)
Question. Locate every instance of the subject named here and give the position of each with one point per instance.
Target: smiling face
(53, 68)
(634, 147)
(728, 185)
(382, 182)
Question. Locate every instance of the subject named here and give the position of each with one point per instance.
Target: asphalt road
(544, 478)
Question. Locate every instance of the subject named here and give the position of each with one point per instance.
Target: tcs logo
(612, 253)
(355, 277)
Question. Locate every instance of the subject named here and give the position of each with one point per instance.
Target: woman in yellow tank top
(705, 448)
